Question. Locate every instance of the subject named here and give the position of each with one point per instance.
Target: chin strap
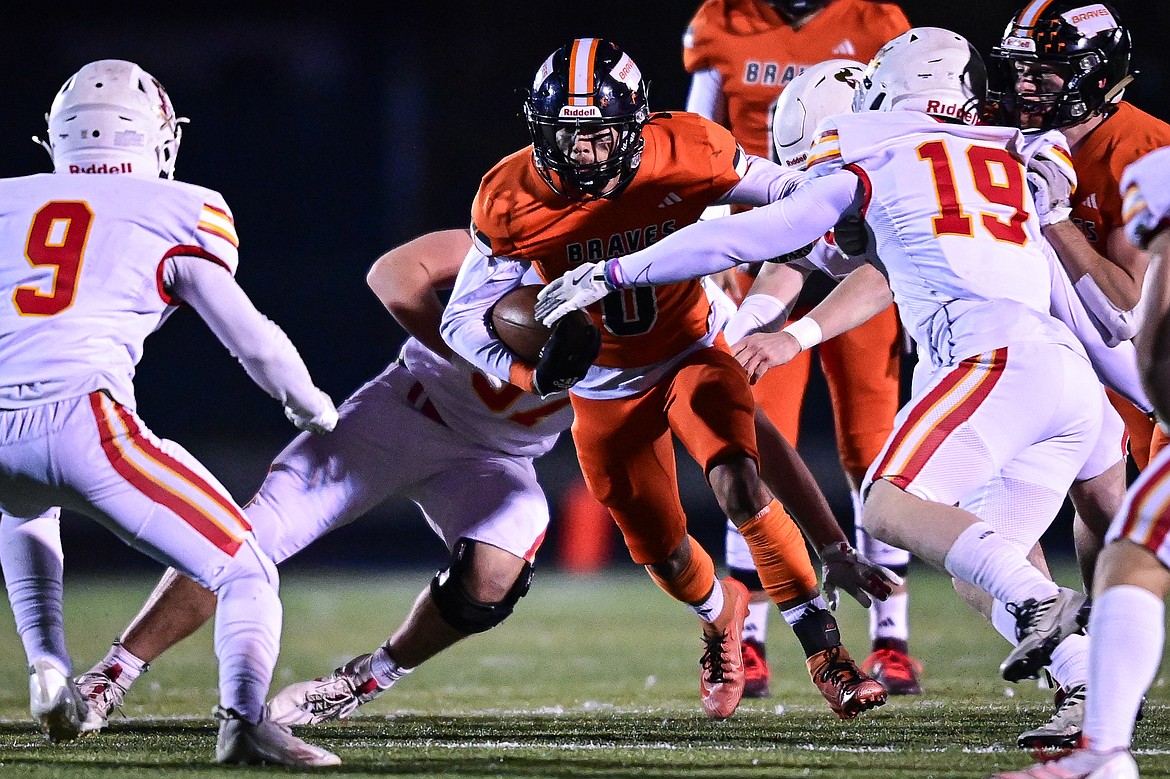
(1115, 92)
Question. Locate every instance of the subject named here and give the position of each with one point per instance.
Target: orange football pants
(626, 448)
(862, 368)
(1146, 439)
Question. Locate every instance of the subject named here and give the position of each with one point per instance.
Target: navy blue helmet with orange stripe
(585, 112)
(1058, 63)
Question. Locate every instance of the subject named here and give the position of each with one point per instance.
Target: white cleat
(1063, 730)
(102, 695)
(1040, 626)
(331, 697)
(241, 742)
(55, 702)
(1081, 764)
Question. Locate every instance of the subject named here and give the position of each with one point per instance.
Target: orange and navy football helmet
(586, 87)
(1078, 54)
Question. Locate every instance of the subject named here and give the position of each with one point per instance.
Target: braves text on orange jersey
(756, 53)
(687, 164)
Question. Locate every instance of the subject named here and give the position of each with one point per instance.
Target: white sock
(982, 557)
(710, 609)
(30, 553)
(1126, 632)
(890, 618)
(247, 638)
(796, 613)
(1004, 622)
(384, 670)
(736, 552)
(1070, 661)
(121, 665)
(755, 627)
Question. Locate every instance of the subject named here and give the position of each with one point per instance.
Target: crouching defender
(457, 427)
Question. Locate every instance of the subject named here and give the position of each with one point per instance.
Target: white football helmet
(925, 69)
(113, 116)
(822, 90)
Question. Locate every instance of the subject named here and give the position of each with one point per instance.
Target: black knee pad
(460, 610)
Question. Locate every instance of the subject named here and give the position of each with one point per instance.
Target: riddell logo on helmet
(953, 110)
(580, 112)
(124, 167)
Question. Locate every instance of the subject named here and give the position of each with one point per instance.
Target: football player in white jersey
(1001, 417)
(1133, 571)
(99, 253)
(1099, 487)
(458, 427)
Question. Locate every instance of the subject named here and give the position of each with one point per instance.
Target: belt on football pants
(417, 397)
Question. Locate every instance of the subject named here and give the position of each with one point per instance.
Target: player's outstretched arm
(701, 249)
(264, 350)
(765, 307)
(407, 280)
(862, 295)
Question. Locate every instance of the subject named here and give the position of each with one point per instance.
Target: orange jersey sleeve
(687, 163)
(1124, 137)
(757, 54)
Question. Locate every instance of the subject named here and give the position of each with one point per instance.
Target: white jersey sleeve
(761, 181)
(759, 235)
(482, 280)
(1146, 194)
(82, 276)
(705, 97)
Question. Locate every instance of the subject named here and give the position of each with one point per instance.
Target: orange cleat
(848, 690)
(897, 671)
(721, 678)
(755, 670)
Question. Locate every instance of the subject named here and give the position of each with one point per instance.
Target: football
(514, 323)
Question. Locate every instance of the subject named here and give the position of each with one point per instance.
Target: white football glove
(844, 567)
(578, 288)
(1051, 189)
(321, 420)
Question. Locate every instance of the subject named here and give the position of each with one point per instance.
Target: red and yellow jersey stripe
(938, 414)
(166, 480)
(826, 148)
(218, 222)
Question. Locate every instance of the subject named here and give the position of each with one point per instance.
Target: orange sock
(780, 554)
(694, 583)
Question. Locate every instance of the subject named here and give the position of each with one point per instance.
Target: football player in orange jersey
(1064, 64)
(742, 54)
(604, 178)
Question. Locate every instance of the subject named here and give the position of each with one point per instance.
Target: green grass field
(590, 678)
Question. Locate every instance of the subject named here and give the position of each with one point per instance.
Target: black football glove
(851, 236)
(565, 359)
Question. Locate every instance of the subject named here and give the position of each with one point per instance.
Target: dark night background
(335, 133)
